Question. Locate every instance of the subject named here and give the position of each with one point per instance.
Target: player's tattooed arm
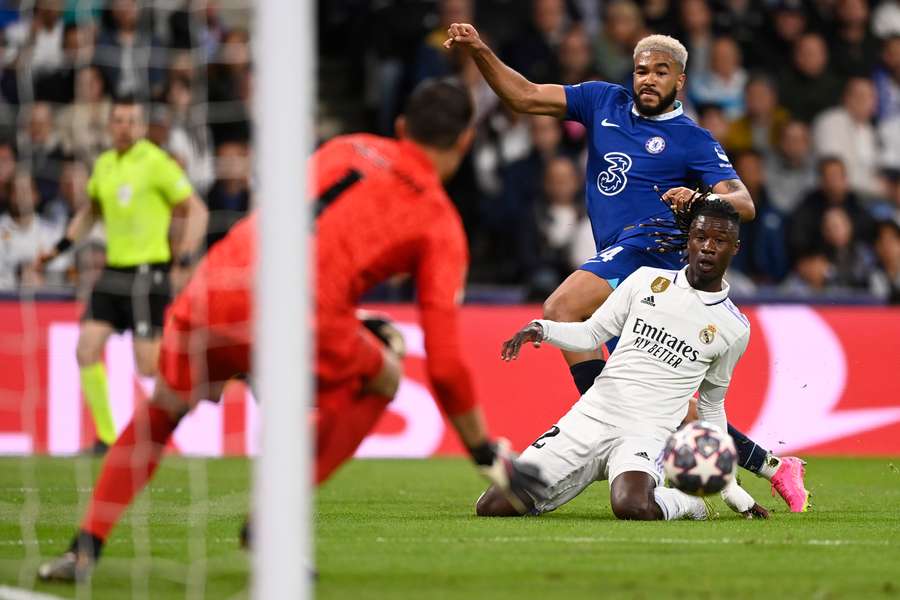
(735, 192)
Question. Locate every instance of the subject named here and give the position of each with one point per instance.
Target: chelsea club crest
(655, 145)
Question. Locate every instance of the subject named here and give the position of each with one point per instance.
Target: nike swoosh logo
(606, 123)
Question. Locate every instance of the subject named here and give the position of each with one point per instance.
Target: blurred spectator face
(561, 182)
(761, 98)
(73, 184)
(181, 66)
(47, 12)
(236, 48)
(7, 163)
(750, 169)
(837, 229)
(545, 134)
(695, 16)
(852, 12)
(455, 11)
(790, 24)
(548, 15)
(834, 179)
(179, 95)
(811, 55)
(40, 122)
(887, 245)
(126, 125)
(24, 196)
(159, 125)
(890, 56)
(795, 142)
(712, 118)
(726, 57)
(89, 85)
(575, 51)
(78, 43)
(125, 14)
(233, 162)
(860, 99)
(623, 22)
(814, 270)
(657, 79)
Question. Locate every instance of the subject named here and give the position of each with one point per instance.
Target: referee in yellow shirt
(154, 225)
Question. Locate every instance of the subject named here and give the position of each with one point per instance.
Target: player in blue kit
(645, 159)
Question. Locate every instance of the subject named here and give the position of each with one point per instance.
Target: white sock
(678, 505)
(769, 466)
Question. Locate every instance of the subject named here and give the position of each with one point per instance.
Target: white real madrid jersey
(673, 338)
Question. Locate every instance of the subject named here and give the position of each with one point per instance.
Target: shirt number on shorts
(552, 432)
(608, 255)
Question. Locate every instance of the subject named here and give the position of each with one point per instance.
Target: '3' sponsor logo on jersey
(613, 180)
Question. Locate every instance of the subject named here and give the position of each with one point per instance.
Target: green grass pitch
(405, 529)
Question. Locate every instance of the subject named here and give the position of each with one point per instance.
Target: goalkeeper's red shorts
(207, 340)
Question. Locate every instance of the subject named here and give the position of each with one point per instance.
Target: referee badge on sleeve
(659, 285)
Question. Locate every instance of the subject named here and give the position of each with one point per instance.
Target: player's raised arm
(520, 94)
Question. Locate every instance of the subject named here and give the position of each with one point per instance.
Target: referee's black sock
(750, 455)
(584, 373)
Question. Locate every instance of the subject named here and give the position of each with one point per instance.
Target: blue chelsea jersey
(628, 154)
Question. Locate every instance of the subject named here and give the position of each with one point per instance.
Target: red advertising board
(813, 381)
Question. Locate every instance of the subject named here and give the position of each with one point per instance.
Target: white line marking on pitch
(10, 593)
(623, 540)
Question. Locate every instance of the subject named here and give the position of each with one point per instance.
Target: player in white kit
(679, 334)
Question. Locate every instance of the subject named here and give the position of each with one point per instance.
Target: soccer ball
(700, 459)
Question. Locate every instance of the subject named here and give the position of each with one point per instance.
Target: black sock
(750, 455)
(584, 373)
(87, 543)
(484, 454)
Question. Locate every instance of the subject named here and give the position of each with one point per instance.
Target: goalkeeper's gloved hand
(520, 482)
(740, 501)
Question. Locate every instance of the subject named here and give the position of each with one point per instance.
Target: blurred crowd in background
(804, 96)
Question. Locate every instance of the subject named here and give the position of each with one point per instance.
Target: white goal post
(284, 80)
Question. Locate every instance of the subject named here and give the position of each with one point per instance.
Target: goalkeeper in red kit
(380, 210)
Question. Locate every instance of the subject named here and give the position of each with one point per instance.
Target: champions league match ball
(699, 459)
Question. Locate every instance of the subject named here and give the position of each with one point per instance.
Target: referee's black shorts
(132, 298)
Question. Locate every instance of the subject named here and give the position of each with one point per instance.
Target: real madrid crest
(708, 334)
(659, 285)
(655, 145)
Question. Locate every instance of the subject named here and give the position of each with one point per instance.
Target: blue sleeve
(707, 161)
(583, 98)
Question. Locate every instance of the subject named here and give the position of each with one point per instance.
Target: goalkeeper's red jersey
(384, 212)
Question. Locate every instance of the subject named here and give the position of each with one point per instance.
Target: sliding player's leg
(566, 457)
(633, 466)
(785, 473)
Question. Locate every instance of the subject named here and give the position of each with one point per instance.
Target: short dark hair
(830, 159)
(715, 207)
(437, 112)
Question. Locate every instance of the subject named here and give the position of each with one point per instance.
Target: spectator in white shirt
(846, 131)
(24, 235)
(791, 170)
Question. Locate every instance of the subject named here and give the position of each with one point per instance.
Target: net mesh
(188, 64)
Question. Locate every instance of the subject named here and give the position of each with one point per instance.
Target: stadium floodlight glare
(283, 44)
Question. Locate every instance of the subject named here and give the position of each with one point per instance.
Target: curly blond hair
(665, 44)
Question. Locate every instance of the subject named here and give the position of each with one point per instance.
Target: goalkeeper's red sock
(129, 464)
(342, 422)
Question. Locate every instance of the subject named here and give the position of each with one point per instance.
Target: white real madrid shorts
(580, 450)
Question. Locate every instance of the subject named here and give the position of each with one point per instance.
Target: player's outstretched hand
(463, 34)
(756, 512)
(533, 332)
